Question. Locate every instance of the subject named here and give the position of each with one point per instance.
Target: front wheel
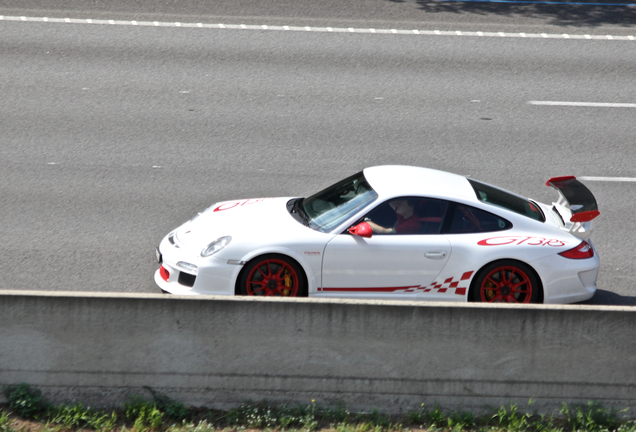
(506, 282)
(272, 275)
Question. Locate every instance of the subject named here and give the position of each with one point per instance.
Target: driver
(407, 221)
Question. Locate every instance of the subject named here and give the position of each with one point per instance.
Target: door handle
(435, 255)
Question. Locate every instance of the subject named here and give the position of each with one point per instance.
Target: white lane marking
(320, 29)
(609, 179)
(584, 104)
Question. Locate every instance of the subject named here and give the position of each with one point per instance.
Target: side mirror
(362, 229)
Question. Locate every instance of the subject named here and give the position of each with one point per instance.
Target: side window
(408, 215)
(383, 215)
(472, 220)
(431, 213)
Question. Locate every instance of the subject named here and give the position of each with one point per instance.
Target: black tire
(272, 275)
(506, 281)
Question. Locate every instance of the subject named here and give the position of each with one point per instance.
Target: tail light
(582, 251)
(165, 274)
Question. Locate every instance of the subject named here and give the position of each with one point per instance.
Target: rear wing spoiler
(576, 205)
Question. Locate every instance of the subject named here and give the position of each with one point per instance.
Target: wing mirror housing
(362, 230)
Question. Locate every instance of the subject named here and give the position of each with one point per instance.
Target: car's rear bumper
(568, 280)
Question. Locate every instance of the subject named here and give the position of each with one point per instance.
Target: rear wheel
(506, 281)
(273, 275)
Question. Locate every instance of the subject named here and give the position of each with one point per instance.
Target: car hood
(253, 218)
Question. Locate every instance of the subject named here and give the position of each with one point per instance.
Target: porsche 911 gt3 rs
(391, 232)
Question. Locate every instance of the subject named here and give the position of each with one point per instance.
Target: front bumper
(201, 276)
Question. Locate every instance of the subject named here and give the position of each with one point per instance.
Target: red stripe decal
(466, 275)
(370, 289)
(437, 286)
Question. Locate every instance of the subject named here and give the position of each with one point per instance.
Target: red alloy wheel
(506, 284)
(272, 277)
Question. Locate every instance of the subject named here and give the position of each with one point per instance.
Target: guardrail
(220, 352)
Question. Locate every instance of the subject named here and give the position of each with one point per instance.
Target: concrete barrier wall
(393, 356)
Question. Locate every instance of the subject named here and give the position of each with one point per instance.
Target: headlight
(216, 246)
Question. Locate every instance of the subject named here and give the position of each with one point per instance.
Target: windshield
(501, 198)
(333, 206)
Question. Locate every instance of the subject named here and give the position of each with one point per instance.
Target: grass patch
(592, 417)
(5, 423)
(26, 411)
(144, 415)
(25, 401)
(79, 417)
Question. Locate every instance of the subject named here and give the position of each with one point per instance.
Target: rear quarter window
(466, 219)
(500, 198)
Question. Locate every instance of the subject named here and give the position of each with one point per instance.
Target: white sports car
(391, 232)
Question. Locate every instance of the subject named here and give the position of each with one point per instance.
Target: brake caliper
(287, 282)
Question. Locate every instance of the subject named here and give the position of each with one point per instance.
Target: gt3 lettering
(519, 240)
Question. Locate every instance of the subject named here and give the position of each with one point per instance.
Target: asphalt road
(571, 16)
(112, 135)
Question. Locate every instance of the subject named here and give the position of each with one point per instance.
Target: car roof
(402, 180)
